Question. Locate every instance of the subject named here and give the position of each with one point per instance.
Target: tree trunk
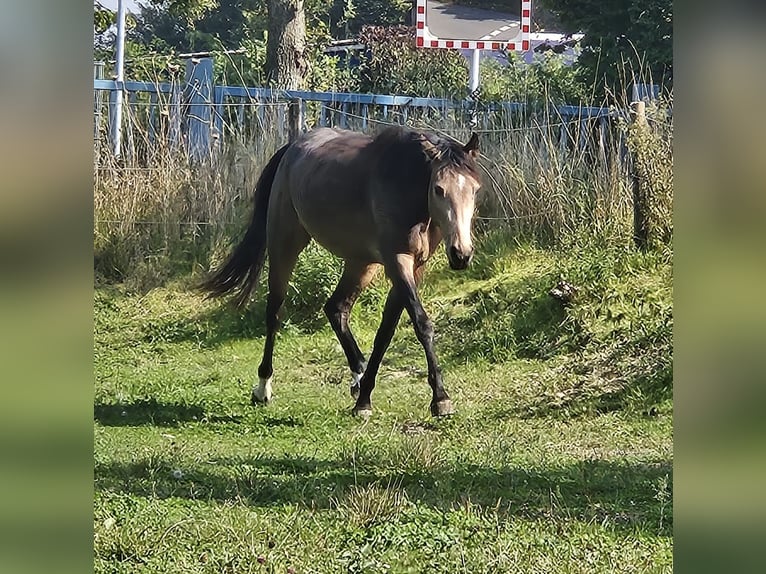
(286, 45)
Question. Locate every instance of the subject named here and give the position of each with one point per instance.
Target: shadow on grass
(217, 326)
(631, 376)
(144, 412)
(624, 495)
(210, 328)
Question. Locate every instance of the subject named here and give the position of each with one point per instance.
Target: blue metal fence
(197, 116)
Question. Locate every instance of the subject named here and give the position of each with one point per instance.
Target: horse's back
(325, 174)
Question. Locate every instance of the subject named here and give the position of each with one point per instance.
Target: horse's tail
(243, 267)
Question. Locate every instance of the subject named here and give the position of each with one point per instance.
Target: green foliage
(164, 29)
(102, 18)
(328, 73)
(548, 80)
(393, 65)
(625, 41)
(349, 17)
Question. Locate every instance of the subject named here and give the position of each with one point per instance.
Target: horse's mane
(450, 151)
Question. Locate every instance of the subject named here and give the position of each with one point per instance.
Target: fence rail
(196, 115)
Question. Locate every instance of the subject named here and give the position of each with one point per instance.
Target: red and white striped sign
(425, 39)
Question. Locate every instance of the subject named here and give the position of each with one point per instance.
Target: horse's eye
(439, 190)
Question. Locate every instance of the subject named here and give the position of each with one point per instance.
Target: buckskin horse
(387, 200)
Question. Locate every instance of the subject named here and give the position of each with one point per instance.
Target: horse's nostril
(459, 259)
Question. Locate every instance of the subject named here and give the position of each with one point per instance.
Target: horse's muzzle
(459, 260)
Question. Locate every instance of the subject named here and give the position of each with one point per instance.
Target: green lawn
(552, 463)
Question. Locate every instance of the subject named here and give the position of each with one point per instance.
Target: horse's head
(451, 194)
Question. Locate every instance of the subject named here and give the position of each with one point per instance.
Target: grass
(559, 458)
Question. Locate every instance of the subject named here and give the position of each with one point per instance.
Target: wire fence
(192, 151)
(200, 118)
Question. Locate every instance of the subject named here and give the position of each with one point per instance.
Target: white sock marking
(262, 391)
(357, 377)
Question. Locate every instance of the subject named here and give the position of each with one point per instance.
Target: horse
(387, 201)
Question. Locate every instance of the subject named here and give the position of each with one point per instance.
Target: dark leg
(356, 276)
(402, 272)
(283, 254)
(403, 295)
(391, 313)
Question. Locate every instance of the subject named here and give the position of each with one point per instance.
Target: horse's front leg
(403, 275)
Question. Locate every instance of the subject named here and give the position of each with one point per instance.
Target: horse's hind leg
(284, 248)
(356, 276)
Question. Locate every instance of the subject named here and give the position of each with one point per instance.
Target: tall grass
(547, 179)
(157, 214)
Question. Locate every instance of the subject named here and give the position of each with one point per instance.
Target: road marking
(500, 30)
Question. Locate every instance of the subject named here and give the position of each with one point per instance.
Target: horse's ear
(472, 147)
(432, 152)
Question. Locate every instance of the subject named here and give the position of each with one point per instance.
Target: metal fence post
(199, 90)
(98, 101)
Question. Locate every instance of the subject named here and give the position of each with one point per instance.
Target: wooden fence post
(640, 198)
(294, 118)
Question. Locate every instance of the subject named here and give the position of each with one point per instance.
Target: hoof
(442, 408)
(363, 412)
(261, 394)
(355, 391)
(257, 401)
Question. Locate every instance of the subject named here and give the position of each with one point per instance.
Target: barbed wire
(146, 222)
(534, 124)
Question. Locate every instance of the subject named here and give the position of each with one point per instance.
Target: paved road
(131, 6)
(449, 21)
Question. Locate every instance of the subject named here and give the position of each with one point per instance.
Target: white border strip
(424, 38)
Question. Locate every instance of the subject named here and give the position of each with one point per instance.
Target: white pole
(474, 81)
(473, 86)
(119, 77)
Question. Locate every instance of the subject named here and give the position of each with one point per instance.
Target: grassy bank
(559, 458)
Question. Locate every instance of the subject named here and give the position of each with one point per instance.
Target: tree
(286, 62)
(348, 17)
(103, 18)
(392, 64)
(625, 40)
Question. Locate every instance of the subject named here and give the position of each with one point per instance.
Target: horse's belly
(346, 239)
(338, 217)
